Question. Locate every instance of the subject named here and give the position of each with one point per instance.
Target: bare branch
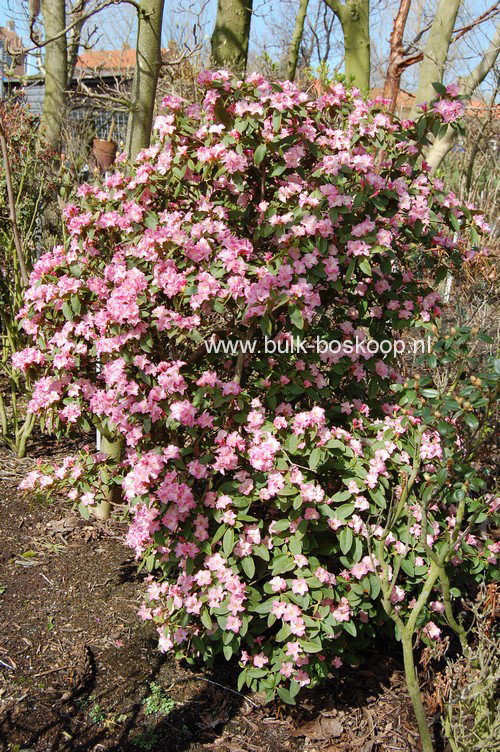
(79, 20)
(441, 147)
(486, 16)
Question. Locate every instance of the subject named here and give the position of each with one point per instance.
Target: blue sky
(116, 25)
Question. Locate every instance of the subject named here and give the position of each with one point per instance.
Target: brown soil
(77, 664)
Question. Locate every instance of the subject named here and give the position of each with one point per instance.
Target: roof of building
(106, 61)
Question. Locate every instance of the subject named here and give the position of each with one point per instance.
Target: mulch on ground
(80, 671)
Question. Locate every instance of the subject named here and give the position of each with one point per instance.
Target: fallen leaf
(321, 728)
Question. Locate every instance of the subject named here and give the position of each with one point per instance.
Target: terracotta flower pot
(104, 152)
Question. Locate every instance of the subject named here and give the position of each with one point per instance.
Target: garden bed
(80, 671)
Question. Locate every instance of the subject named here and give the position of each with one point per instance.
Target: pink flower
(453, 89)
(229, 517)
(300, 586)
(233, 623)
(277, 584)
(449, 110)
(260, 660)
(342, 612)
(397, 594)
(183, 412)
(286, 669)
(432, 631)
(302, 678)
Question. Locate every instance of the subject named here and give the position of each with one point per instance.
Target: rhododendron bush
(284, 503)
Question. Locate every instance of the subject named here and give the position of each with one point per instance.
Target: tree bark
(112, 493)
(354, 19)
(483, 130)
(74, 38)
(397, 60)
(231, 34)
(435, 52)
(293, 51)
(147, 68)
(441, 147)
(56, 72)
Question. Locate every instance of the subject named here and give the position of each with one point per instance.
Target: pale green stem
(26, 432)
(458, 628)
(414, 692)
(112, 492)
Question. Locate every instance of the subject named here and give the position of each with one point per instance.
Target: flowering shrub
(284, 503)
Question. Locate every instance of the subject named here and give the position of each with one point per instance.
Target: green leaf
(441, 476)
(350, 270)
(84, 511)
(294, 688)
(429, 393)
(314, 458)
(295, 546)
(151, 221)
(286, 696)
(248, 566)
(67, 311)
(310, 647)
(350, 628)
(259, 154)
(282, 563)
(408, 566)
(440, 88)
(296, 318)
(266, 325)
(228, 542)
(343, 511)
(471, 420)
(76, 304)
(365, 267)
(345, 539)
(280, 525)
(241, 680)
(374, 585)
(257, 673)
(205, 619)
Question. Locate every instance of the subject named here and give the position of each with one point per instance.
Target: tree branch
(440, 148)
(79, 20)
(336, 7)
(486, 16)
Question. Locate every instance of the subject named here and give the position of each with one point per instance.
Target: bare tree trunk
(441, 147)
(56, 71)
(147, 69)
(436, 51)
(231, 34)
(74, 38)
(293, 51)
(482, 131)
(354, 19)
(397, 60)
